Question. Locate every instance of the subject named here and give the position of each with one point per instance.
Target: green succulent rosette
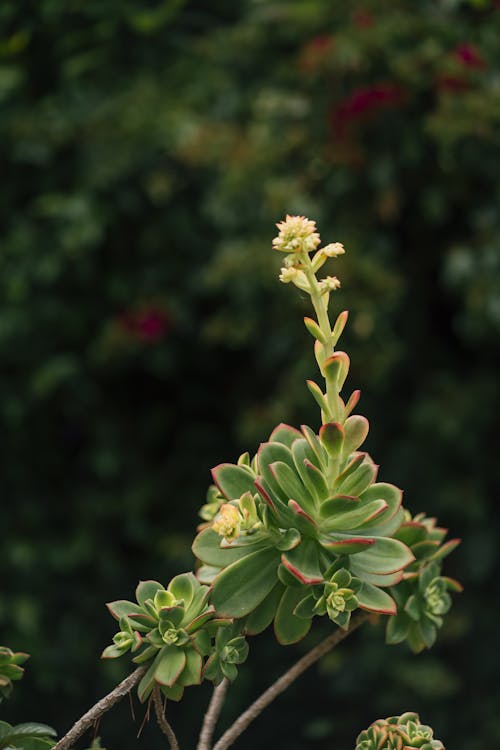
(170, 629)
(398, 733)
(10, 670)
(304, 508)
(230, 650)
(423, 595)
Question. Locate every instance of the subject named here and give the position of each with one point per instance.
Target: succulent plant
(304, 528)
(29, 736)
(10, 670)
(422, 595)
(398, 733)
(230, 649)
(168, 628)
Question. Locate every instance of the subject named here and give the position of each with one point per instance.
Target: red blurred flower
(469, 56)
(452, 84)
(315, 52)
(147, 324)
(362, 19)
(363, 102)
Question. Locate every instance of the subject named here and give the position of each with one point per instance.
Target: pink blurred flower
(363, 102)
(148, 324)
(469, 56)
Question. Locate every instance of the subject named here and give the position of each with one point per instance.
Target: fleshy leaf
(284, 434)
(241, 587)
(232, 480)
(123, 608)
(206, 547)
(347, 546)
(147, 590)
(263, 615)
(169, 663)
(332, 437)
(356, 429)
(287, 626)
(385, 556)
(302, 562)
(375, 600)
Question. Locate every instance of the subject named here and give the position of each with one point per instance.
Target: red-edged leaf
(169, 665)
(232, 480)
(288, 627)
(375, 600)
(352, 403)
(348, 546)
(356, 429)
(303, 563)
(241, 587)
(123, 608)
(332, 437)
(284, 434)
(446, 548)
(297, 510)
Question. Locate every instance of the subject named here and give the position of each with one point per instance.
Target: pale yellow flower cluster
(296, 234)
(329, 284)
(228, 522)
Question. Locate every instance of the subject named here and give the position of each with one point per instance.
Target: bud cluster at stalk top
(296, 234)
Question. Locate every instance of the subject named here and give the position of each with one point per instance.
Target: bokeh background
(148, 148)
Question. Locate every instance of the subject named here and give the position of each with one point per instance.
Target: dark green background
(148, 148)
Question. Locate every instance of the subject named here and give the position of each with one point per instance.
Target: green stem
(320, 304)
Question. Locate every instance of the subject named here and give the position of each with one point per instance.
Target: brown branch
(162, 721)
(212, 714)
(281, 684)
(100, 708)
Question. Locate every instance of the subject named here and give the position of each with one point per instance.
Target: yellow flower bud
(333, 250)
(287, 275)
(296, 234)
(228, 523)
(329, 284)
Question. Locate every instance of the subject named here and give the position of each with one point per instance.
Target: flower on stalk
(333, 250)
(169, 629)
(230, 649)
(10, 670)
(228, 522)
(398, 733)
(296, 235)
(329, 284)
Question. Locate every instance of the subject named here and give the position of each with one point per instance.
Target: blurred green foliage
(148, 148)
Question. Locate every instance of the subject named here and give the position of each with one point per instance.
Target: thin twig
(162, 721)
(100, 708)
(212, 714)
(281, 684)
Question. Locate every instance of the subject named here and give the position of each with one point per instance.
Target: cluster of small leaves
(175, 631)
(10, 670)
(28, 736)
(398, 733)
(423, 595)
